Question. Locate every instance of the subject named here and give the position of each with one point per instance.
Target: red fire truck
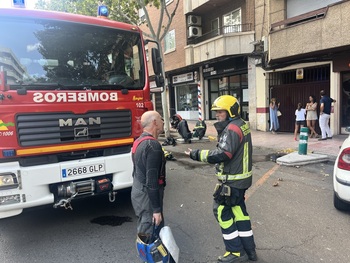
(72, 91)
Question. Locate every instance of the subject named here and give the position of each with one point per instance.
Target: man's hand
(157, 218)
(194, 154)
(188, 152)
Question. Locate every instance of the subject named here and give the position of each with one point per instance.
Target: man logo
(81, 132)
(79, 122)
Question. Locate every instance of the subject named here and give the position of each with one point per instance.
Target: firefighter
(182, 127)
(233, 159)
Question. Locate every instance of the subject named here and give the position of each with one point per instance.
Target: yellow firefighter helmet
(227, 103)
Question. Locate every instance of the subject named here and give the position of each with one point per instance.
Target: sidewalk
(284, 142)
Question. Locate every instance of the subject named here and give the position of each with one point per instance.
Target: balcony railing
(228, 29)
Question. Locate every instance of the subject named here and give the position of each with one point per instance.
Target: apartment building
(301, 47)
(13, 67)
(206, 54)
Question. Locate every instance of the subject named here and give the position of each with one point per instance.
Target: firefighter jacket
(233, 154)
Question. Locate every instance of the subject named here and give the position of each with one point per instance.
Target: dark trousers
(235, 223)
(143, 209)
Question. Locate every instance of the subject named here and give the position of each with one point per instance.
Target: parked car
(341, 176)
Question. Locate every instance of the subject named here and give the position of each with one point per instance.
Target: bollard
(304, 135)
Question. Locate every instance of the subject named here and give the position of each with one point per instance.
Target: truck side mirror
(159, 79)
(156, 61)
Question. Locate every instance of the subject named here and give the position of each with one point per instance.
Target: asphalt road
(291, 209)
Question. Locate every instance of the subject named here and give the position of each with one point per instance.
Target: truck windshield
(47, 54)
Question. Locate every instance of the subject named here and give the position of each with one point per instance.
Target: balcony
(313, 33)
(224, 41)
(203, 6)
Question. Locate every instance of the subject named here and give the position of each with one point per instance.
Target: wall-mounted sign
(227, 67)
(183, 78)
(300, 73)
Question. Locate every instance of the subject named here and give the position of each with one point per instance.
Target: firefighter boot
(231, 257)
(252, 255)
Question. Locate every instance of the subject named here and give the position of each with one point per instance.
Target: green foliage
(120, 10)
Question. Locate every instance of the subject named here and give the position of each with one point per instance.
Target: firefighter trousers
(235, 224)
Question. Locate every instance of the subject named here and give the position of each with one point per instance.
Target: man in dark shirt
(149, 174)
(325, 113)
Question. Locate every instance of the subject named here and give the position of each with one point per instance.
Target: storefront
(228, 77)
(185, 92)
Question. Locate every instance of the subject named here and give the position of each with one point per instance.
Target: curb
(295, 159)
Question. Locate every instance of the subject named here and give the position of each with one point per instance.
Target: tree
(157, 31)
(127, 11)
(120, 10)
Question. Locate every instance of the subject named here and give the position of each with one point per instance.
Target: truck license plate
(83, 170)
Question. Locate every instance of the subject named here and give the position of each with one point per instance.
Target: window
(168, 1)
(235, 85)
(215, 26)
(232, 22)
(187, 98)
(169, 41)
(72, 54)
(298, 7)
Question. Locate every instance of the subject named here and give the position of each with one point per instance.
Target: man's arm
(209, 156)
(154, 160)
(321, 107)
(227, 146)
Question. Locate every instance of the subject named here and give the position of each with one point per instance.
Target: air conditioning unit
(194, 20)
(194, 31)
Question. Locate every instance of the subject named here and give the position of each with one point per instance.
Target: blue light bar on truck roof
(102, 10)
(19, 3)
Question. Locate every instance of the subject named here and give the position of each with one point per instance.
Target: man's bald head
(148, 117)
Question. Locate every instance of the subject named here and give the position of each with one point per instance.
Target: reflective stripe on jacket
(233, 155)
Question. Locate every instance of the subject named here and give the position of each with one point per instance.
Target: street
(291, 209)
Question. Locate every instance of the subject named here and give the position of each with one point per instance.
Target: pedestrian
(299, 119)
(233, 159)
(325, 114)
(274, 123)
(149, 175)
(311, 116)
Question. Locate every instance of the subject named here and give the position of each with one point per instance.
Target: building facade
(219, 37)
(206, 55)
(301, 47)
(257, 50)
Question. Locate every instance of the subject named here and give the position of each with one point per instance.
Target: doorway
(345, 100)
(235, 85)
(289, 91)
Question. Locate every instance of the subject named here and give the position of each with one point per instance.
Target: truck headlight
(8, 181)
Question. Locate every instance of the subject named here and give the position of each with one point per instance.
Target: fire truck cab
(72, 92)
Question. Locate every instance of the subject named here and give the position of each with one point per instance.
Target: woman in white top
(311, 116)
(299, 119)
